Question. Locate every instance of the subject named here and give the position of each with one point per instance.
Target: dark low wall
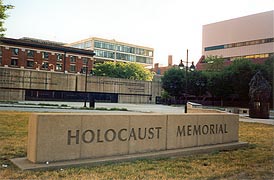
(128, 91)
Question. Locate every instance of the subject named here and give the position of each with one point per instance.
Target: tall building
(250, 37)
(112, 50)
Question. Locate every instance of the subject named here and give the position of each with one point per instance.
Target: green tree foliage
(268, 68)
(196, 83)
(132, 71)
(231, 80)
(214, 63)
(173, 82)
(219, 84)
(3, 16)
(241, 71)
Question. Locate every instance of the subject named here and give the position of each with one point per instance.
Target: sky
(169, 26)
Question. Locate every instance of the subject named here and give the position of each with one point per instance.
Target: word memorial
(98, 137)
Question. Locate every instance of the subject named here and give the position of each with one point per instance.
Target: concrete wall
(129, 91)
(60, 136)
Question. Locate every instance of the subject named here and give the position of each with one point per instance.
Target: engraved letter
(181, 131)
(92, 135)
(71, 136)
(158, 131)
(120, 136)
(113, 135)
(151, 133)
(145, 133)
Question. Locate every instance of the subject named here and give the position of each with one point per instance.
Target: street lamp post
(192, 68)
(86, 82)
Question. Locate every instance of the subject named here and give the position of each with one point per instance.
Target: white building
(112, 50)
(250, 37)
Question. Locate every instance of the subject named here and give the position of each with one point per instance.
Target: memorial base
(25, 164)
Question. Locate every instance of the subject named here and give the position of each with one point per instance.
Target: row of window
(123, 48)
(45, 55)
(253, 56)
(104, 45)
(144, 60)
(105, 54)
(44, 65)
(125, 57)
(239, 44)
(122, 56)
(84, 45)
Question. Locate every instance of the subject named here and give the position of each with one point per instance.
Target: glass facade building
(112, 50)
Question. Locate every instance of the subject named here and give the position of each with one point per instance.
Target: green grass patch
(45, 104)
(118, 109)
(9, 102)
(101, 109)
(252, 162)
(64, 105)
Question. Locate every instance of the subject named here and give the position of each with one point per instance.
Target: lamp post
(86, 81)
(192, 68)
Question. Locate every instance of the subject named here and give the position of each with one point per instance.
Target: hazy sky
(168, 26)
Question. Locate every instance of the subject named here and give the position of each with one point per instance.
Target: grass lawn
(253, 162)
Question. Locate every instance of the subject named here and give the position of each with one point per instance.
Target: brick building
(44, 55)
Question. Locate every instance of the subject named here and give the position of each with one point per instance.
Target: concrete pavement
(41, 106)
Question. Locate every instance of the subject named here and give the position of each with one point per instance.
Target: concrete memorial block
(178, 135)
(56, 137)
(103, 135)
(98, 137)
(48, 137)
(147, 133)
(232, 124)
(190, 130)
(211, 129)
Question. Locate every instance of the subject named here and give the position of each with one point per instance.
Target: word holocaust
(192, 130)
(110, 135)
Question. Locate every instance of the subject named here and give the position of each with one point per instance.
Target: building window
(14, 51)
(14, 62)
(45, 65)
(72, 59)
(30, 53)
(58, 67)
(85, 60)
(45, 55)
(30, 64)
(72, 68)
(216, 47)
(83, 70)
(59, 57)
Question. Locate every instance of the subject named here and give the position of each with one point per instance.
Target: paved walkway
(39, 106)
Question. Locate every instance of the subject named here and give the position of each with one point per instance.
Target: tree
(132, 71)
(214, 63)
(219, 84)
(173, 82)
(3, 16)
(196, 83)
(241, 71)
